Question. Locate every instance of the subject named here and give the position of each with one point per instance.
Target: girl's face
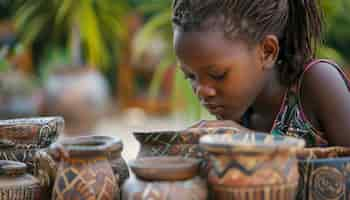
(226, 75)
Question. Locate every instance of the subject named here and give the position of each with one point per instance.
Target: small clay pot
(21, 138)
(165, 178)
(252, 166)
(16, 184)
(84, 171)
(325, 173)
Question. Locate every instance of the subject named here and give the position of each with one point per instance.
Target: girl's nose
(205, 91)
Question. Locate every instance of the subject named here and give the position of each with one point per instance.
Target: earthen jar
(165, 178)
(84, 171)
(325, 173)
(20, 139)
(16, 183)
(177, 143)
(252, 166)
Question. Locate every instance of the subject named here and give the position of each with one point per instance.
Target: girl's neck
(269, 101)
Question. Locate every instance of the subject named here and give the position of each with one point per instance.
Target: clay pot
(16, 184)
(47, 167)
(84, 170)
(79, 94)
(325, 173)
(252, 166)
(21, 138)
(175, 143)
(183, 143)
(165, 178)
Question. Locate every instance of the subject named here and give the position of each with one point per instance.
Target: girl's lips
(215, 109)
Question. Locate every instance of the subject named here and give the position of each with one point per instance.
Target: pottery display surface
(252, 166)
(325, 173)
(84, 171)
(165, 178)
(21, 138)
(16, 184)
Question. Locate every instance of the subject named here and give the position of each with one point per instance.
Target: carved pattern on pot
(16, 184)
(324, 173)
(176, 143)
(327, 183)
(47, 164)
(20, 139)
(85, 179)
(252, 166)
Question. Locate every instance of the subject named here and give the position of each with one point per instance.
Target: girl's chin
(233, 117)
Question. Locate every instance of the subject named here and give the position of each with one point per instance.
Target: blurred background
(107, 66)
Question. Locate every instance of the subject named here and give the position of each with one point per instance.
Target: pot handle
(58, 152)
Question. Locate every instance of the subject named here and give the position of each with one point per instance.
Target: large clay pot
(16, 184)
(165, 178)
(47, 167)
(79, 94)
(21, 138)
(325, 173)
(84, 171)
(252, 166)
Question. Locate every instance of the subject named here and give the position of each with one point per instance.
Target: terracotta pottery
(47, 166)
(78, 93)
(165, 178)
(84, 171)
(21, 138)
(178, 143)
(16, 184)
(325, 173)
(175, 143)
(252, 166)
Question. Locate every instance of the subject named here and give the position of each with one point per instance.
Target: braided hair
(298, 24)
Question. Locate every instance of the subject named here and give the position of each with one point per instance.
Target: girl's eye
(218, 76)
(189, 76)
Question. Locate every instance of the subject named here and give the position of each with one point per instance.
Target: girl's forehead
(205, 42)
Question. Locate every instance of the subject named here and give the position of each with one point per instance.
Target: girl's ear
(269, 50)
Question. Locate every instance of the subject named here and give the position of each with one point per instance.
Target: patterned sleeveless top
(292, 121)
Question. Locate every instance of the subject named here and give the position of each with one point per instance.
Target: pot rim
(93, 144)
(29, 121)
(161, 137)
(323, 153)
(12, 168)
(36, 132)
(250, 143)
(167, 168)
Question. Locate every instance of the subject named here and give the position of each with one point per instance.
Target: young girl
(252, 62)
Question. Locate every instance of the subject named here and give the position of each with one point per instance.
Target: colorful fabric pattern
(291, 120)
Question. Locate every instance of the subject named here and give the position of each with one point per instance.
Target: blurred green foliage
(99, 25)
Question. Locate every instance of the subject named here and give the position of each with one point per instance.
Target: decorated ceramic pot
(175, 143)
(16, 184)
(165, 178)
(325, 173)
(21, 138)
(252, 166)
(84, 171)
